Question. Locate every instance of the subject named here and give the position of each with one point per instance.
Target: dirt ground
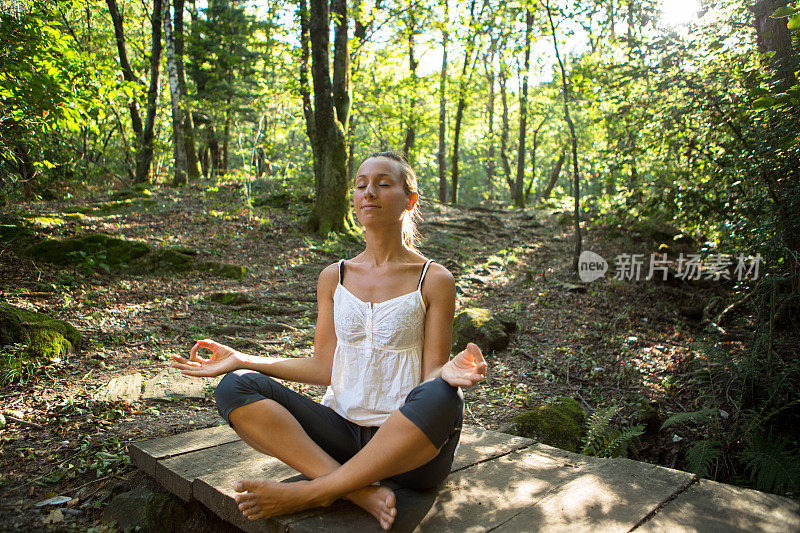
(623, 342)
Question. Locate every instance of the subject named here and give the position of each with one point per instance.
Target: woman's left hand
(466, 369)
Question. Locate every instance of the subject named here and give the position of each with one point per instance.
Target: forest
(619, 180)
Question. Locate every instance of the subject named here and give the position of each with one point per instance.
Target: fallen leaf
(55, 500)
(54, 517)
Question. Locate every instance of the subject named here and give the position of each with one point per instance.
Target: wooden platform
(499, 482)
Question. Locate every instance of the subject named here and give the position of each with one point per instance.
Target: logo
(591, 266)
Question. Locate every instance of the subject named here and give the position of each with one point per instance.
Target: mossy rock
(166, 260)
(478, 325)
(278, 200)
(558, 424)
(230, 298)
(113, 207)
(130, 193)
(44, 221)
(45, 337)
(565, 218)
(103, 249)
(223, 270)
(15, 234)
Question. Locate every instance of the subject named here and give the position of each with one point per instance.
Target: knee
(443, 396)
(231, 385)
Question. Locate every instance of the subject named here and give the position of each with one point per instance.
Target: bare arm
(468, 367)
(315, 370)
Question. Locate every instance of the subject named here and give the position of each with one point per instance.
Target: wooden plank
(613, 495)
(713, 507)
(146, 454)
(475, 498)
(476, 445)
(214, 489)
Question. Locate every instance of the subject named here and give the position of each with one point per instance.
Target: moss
(478, 325)
(73, 216)
(230, 298)
(224, 270)
(166, 260)
(107, 250)
(45, 222)
(15, 234)
(558, 424)
(131, 193)
(113, 207)
(45, 337)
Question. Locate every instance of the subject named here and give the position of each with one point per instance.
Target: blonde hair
(411, 236)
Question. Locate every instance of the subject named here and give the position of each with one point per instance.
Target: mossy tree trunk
(178, 140)
(331, 112)
(193, 170)
(517, 191)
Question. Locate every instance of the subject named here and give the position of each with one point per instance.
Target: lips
(365, 206)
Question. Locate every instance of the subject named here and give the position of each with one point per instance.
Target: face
(378, 192)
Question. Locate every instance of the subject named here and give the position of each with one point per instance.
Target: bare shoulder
(439, 284)
(328, 279)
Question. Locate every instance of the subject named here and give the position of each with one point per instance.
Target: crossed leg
(398, 446)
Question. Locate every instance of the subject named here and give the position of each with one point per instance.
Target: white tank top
(378, 357)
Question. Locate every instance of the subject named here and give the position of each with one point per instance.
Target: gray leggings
(435, 407)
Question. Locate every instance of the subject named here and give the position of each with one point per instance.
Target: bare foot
(262, 498)
(378, 501)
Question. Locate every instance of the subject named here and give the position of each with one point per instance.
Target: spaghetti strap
(422, 275)
(341, 271)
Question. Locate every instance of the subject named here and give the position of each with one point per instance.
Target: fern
(617, 444)
(700, 456)
(688, 416)
(773, 467)
(597, 428)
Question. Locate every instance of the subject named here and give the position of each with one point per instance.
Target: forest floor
(609, 342)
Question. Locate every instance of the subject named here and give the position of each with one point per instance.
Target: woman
(393, 409)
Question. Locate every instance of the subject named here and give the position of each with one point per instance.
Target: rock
(478, 325)
(558, 424)
(44, 337)
(98, 248)
(230, 298)
(170, 383)
(150, 511)
(126, 388)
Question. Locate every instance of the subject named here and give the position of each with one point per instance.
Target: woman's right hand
(223, 359)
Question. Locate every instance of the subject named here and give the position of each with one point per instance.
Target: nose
(369, 190)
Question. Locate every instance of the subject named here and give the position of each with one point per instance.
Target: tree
(331, 115)
(178, 122)
(192, 162)
(517, 192)
(574, 142)
(440, 155)
(144, 132)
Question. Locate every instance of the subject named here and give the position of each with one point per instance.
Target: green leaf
(794, 22)
(764, 102)
(783, 12)
(688, 416)
(701, 455)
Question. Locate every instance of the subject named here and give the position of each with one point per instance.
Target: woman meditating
(393, 408)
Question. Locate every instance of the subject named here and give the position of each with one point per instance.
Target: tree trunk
(533, 158)
(443, 111)
(189, 135)
(573, 138)
(178, 141)
(490, 163)
(517, 193)
(144, 132)
(554, 176)
(331, 108)
(504, 129)
(145, 155)
(408, 144)
(463, 83)
(127, 71)
(772, 35)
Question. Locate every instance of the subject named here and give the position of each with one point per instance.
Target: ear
(412, 201)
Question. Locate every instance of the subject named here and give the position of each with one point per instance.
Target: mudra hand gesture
(223, 359)
(466, 369)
